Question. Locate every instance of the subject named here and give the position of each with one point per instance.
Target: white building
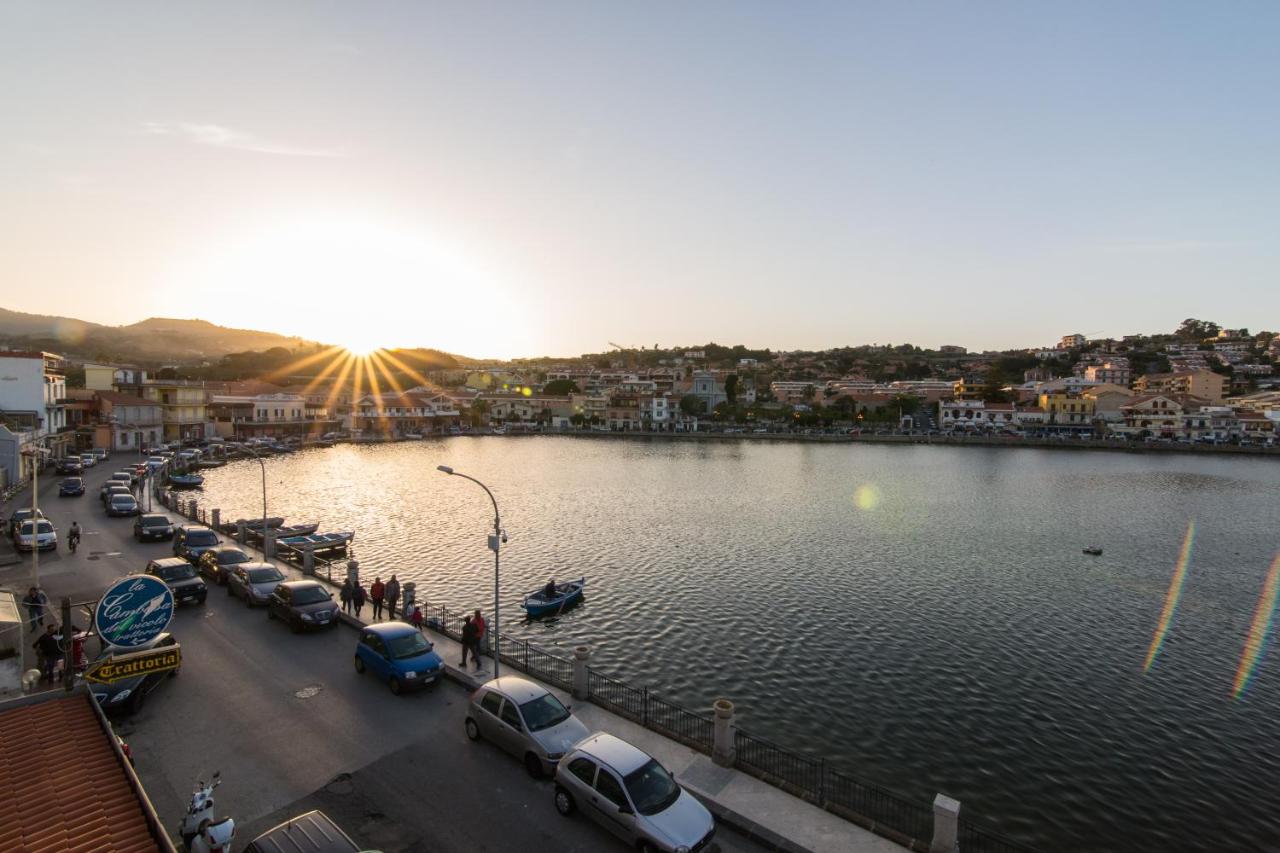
(32, 390)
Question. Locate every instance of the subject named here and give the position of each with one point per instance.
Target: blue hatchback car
(398, 653)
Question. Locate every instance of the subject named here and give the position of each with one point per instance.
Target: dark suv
(151, 526)
(221, 560)
(181, 578)
(302, 605)
(192, 540)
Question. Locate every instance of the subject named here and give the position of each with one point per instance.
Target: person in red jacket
(481, 637)
(376, 592)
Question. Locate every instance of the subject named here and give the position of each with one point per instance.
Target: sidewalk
(767, 814)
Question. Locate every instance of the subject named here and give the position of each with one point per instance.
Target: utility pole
(69, 645)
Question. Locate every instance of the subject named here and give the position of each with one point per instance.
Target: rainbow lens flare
(1255, 645)
(1172, 596)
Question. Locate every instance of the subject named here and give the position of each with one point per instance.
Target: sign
(119, 667)
(134, 611)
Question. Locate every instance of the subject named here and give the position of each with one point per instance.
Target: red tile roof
(62, 788)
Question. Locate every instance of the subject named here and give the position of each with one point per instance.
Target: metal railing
(974, 839)
(651, 711)
(908, 822)
(524, 655)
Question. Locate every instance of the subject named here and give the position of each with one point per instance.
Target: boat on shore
(292, 530)
(211, 463)
(538, 604)
(185, 481)
(317, 541)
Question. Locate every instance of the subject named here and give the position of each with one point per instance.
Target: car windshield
(264, 575)
(121, 500)
(407, 646)
(231, 557)
(310, 595)
(543, 713)
(651, 788)
(72, 482)
(45, 527)
(201, 537)
(176, 573)
(154, 521)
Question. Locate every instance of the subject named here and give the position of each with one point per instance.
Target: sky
(524, 179)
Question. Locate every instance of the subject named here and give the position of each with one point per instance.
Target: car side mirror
(625, 809)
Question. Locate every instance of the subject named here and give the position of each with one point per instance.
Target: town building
(414, 412)
(1072, 341)
(1067, 411)
(1204, 384)
(126, 422)
(184, 406)
(33, 390)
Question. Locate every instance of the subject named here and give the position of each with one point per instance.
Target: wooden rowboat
(569, 593)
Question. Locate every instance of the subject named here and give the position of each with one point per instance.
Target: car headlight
(307, 617)
(411, 674)
(682, 849)
(554, 756)
(122, 695)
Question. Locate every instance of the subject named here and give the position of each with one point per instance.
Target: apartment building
(1204, 384)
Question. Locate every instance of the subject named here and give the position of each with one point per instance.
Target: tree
(560, 388)
(731, 387)
(1195, 330)
(692, 405)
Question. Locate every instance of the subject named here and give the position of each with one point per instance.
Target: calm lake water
(922, 616)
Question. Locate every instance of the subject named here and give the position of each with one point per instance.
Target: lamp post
(495, 544)
(263, 465)
(36, 452)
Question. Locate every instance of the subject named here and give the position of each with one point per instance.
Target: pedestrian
(417, 617)
(376, 591)
(468, 642)
(35, 601)
(357, 598)
(50, 650)
(393, 595)
(344, 595)
(482, 638)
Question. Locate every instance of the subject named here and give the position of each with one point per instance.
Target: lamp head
(445, 468)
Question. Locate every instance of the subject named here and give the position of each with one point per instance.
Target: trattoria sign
(119, 667)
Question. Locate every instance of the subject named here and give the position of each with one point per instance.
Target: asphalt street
(292, 726)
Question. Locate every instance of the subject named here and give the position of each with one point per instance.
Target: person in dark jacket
(35, 602)
(358, 598)
(393, 595)
(469, 643)
(344, 595)
(50, 651)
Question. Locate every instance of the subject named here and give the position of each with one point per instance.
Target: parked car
(110, 489)
(633, 796)
(302, 605)
(181, 578)
(130, 693)
(254, 582)
(218, 561)
(154, 463)
(70, 465)
(88, 460)
(36, 535)
(398, 653)
(152, 526)
(123, 505)
(101, 453)
(126, 475)
(19, 516)
(526, 720)
(192, 540)
(312, 832)
(71, 487)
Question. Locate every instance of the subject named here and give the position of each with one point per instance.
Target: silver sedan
(524, 719)
(254, 582)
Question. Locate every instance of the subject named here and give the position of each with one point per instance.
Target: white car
(526, 720)
(88, 460)
(29, 539)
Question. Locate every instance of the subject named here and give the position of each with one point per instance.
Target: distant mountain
(17, 324)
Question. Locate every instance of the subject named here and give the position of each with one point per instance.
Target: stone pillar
(242, 532)
(409, 594)
(216, 519)
(724, 752)
(308, 562)
(581, 689)
(268, 543)
(946, 825)
(353, 572)
(191, 511)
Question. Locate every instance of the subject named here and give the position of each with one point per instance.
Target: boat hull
(570, 595)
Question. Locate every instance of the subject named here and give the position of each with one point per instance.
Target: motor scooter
(201, 832)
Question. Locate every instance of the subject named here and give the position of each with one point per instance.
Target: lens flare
(1255, 645)
(1172, 596)
(866, 497)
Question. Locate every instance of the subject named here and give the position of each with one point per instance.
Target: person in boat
(549, 591)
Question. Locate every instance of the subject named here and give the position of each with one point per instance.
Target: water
(922, 616)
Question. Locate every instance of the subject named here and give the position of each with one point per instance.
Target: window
(584, 769)
(510, 716)
(374, 642)
(491, 702)
(610, 788)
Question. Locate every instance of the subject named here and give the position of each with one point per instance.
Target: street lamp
(263, 465)
(37, 453)
(495, 543)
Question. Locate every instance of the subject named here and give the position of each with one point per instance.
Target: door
(487, 719)
(376, 656)
(610, 800)
(511, 729)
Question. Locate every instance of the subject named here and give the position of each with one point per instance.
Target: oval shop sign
(134, 611)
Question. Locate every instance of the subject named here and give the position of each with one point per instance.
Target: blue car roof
(392, 629)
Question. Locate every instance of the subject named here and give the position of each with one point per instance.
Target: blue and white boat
(567, 594)
(185, 481)
(317, 541)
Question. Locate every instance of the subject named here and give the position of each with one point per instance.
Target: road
(291, 726)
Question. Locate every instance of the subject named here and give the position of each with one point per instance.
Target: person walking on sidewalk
(344, 595)
(357, 599)
(35, 601)
(393, 595)
(416, 619)
(468, 643)
(49, 650)
(481, 637)
(376, 591)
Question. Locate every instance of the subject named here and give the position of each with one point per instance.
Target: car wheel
(295, 627)
(136, 700)
(394, 684)
(533, 764)
(473, 730)
(564, 801)
(359, 665)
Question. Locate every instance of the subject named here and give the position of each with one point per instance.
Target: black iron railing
(974, 839)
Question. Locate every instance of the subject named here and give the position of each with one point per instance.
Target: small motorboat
(316, 541)
(211, 463)
(567, 594)
(185, 481)
(256, 523)
(1093, 551)
(296, 530)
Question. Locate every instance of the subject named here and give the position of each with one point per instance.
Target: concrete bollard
(946, 825)
(581, 688)
(242, 532)
(268, 543)
(308, 562)
(353, 572)
(191, 511)
(216, 519)
(409, 592)
(724, 751)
